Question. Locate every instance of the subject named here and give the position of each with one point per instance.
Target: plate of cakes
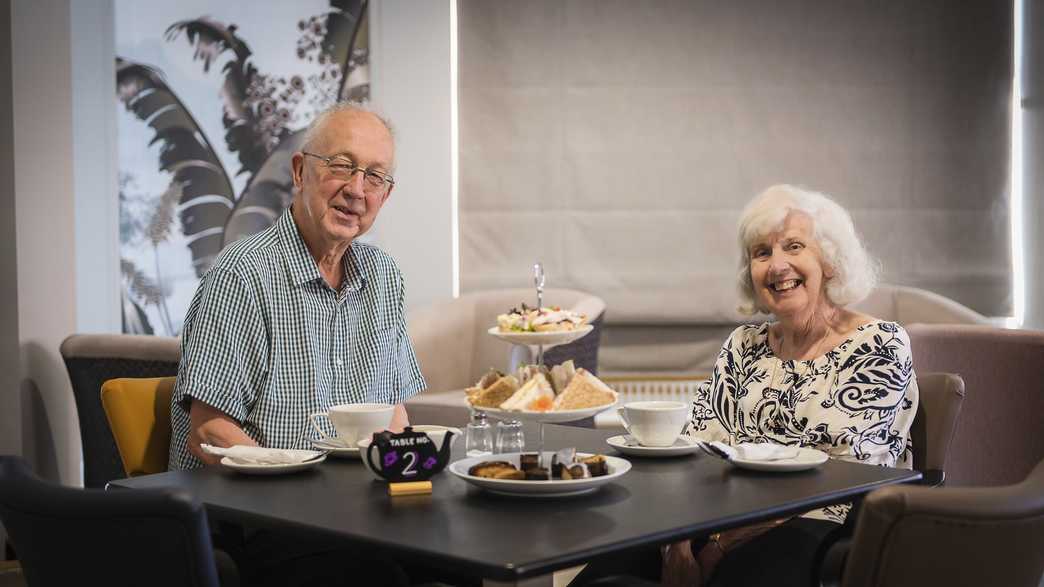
(535, 393)
(540, 326)
(520, 474)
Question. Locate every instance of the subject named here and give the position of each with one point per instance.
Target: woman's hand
(711, 554)
(679, 568)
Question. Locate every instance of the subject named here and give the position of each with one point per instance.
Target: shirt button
(338, 362)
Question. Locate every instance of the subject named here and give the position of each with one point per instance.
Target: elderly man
(301, 316)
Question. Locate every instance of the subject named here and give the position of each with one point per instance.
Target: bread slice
(490, 468)
(535, 396)
(584, 391)
(561, 375)
(494, 395)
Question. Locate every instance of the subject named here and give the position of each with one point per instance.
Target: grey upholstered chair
(67, 536)
(998, 440)
(93, 359)
(908, 535)
(938, 412)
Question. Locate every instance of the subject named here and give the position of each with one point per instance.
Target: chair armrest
(932, 478)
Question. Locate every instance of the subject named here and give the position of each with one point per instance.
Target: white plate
(541, 338)
(275, 469)
(807, 458)
(553, 488)
(337, 450)
(682, 446)
(546, 417)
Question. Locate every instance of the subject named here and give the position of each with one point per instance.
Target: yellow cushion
(138, 411)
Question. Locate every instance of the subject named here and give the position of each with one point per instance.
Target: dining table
(514, 540)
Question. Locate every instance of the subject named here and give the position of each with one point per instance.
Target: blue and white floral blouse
(855, 403)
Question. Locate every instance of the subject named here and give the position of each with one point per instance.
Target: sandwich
(492, 390)
(561, 375)
(536, 395)
(547, 319)
(584, 390)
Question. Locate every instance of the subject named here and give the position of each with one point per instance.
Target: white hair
(854, 271)
(315, 129)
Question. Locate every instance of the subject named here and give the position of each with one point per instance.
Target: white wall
(45, 232)
(411, 84)
(96, 188)
(64, 233)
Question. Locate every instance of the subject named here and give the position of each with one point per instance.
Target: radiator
(633, 389)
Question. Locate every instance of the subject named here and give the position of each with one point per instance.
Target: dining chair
(92, 359)
(998, 440)
(69, 536)
(938, 411)
(138, 412)
(908, 535)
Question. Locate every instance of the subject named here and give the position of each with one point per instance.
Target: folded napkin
(763, 451)
(256, 455)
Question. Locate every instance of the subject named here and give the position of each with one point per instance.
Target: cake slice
(535, 396)
(495, 394)
(584, 391)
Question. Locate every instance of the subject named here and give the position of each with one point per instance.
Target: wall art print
(212, 100)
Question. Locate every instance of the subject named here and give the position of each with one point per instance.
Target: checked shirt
(268, 342)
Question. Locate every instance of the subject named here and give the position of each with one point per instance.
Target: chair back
(66, 536)
(92, 359)
(998, 440)
(938, 409)
(909, 535)
(911, 305)
(138, 411)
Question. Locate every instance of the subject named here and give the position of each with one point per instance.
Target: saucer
(683, 445)
(275, 469)
(807, 458)
(336, 449)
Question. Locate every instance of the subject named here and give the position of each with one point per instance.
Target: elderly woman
(819, 376)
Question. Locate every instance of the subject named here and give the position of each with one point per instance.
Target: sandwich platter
(547, 339)
(580, 394)
(549, 417)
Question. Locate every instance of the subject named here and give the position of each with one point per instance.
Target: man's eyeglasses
(344, 168)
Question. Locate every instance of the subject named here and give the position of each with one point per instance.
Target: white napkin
(256, 455)
(763, 451)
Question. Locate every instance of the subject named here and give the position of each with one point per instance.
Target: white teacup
(654, 423)
(354, 421)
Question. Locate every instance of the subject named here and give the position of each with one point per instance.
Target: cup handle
(311, 420)
(369, 459)
(623, 418)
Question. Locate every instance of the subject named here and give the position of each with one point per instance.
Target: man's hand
(209, 425)
(400, 419)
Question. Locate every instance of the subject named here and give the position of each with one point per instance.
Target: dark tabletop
(510, 538)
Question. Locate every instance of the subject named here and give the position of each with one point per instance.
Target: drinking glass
(510, 437)
(478, 436)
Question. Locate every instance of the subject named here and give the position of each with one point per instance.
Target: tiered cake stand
(541, 340)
